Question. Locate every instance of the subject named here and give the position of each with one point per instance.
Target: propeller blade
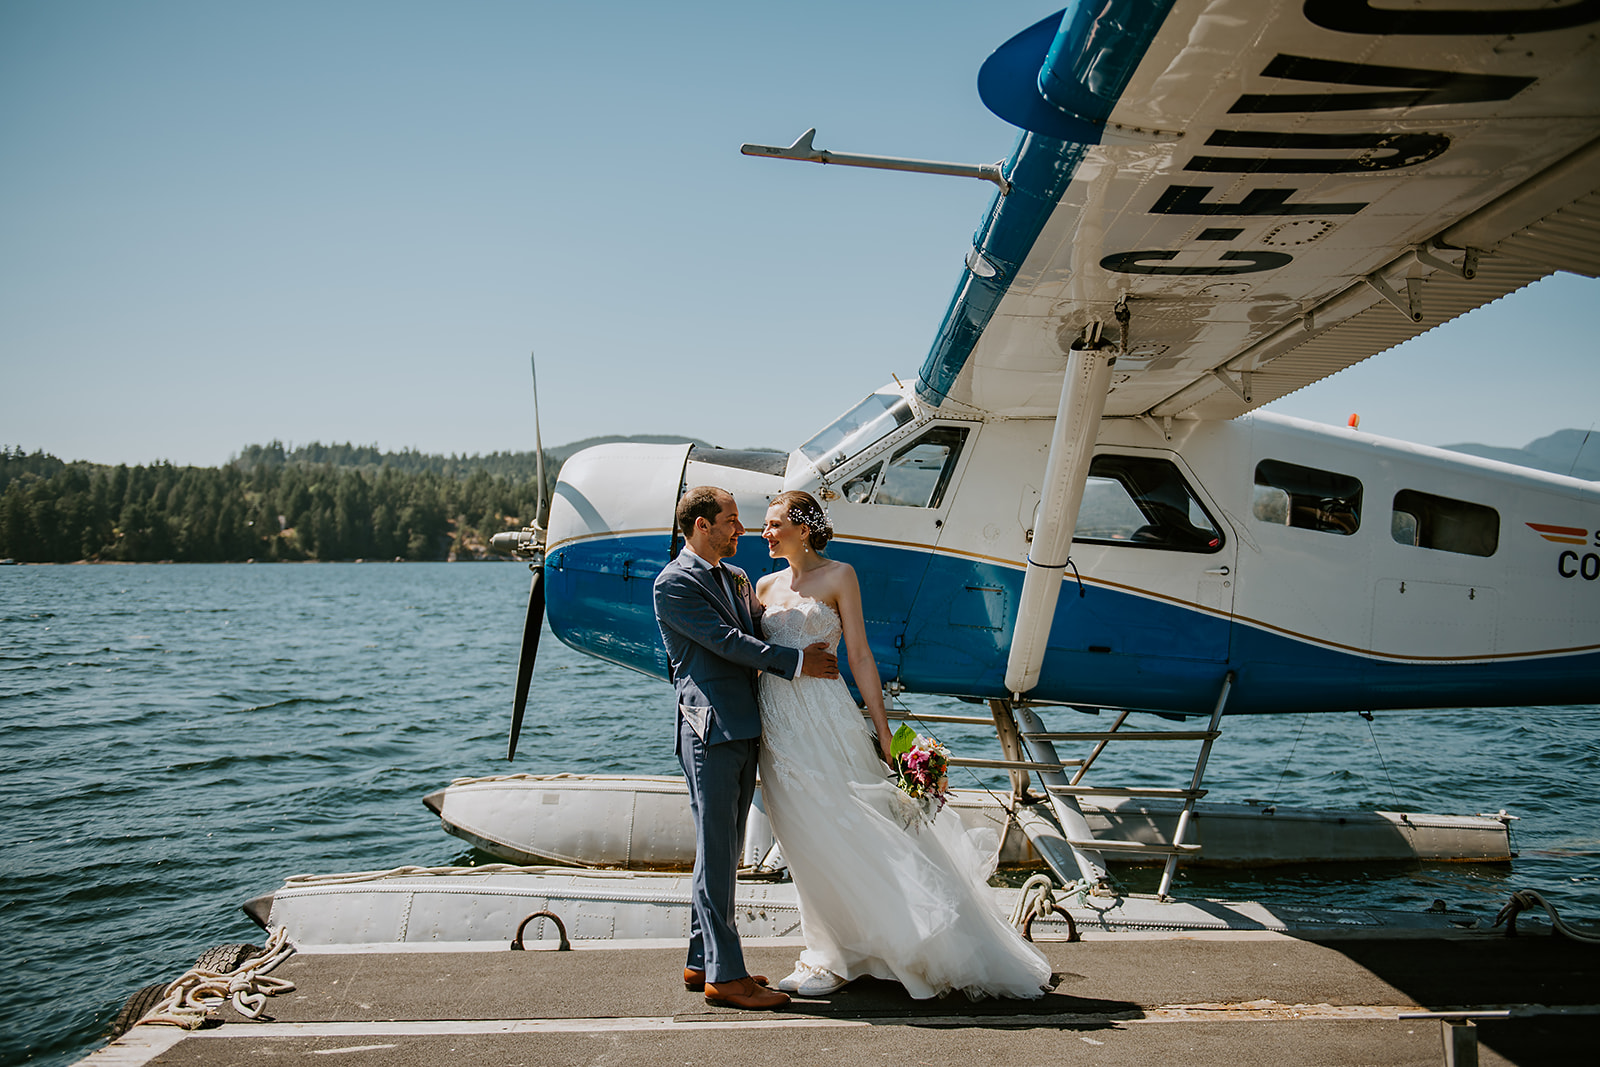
(530, 650)
(538, 444)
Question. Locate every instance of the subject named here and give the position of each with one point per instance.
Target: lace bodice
(802, 624)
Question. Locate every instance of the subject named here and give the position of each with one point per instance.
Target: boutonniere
(740, 583)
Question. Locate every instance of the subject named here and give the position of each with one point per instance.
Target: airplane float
(1211, 204)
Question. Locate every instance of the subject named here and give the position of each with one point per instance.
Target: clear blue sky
(223, 223)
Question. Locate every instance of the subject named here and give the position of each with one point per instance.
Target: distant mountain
(1571, 452)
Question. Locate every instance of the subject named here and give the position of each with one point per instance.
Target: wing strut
(1083, 401)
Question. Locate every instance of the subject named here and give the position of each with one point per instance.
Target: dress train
(884, 890)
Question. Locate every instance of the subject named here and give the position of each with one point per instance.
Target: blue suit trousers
(722, 782)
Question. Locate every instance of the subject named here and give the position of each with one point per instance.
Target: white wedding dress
(883, 890)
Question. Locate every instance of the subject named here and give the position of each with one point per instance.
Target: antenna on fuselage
(1579, 454)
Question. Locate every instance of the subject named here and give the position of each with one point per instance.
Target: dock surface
(1225, 999)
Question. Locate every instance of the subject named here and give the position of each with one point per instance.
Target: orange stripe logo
(1561, 535)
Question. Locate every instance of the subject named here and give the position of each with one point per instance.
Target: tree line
(314, 502)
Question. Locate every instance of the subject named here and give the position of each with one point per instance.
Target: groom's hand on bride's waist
(818, 662)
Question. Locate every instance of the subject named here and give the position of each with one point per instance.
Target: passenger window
(1438, 522)
(1291, 495)
(1138, 500)
(858, 487)
(919, 473)
(1403, 527)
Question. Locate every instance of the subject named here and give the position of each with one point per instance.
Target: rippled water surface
(176, 739)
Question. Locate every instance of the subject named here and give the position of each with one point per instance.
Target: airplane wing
(1268, 191)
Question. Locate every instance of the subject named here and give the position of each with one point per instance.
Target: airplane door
(890, 505)
(1157, 564)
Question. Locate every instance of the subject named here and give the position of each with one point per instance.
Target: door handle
(1217, 570)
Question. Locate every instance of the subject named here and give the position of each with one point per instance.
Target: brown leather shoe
(694, 981)
(745, 993)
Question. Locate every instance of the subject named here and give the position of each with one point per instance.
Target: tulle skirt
(884, 889)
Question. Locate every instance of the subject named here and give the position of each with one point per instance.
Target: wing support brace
(1409, 305)
(1083, 402)
(1240, 389)
(803, 151)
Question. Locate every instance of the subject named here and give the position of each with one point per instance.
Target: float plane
(1075, 501)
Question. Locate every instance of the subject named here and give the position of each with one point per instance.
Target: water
(178, 738)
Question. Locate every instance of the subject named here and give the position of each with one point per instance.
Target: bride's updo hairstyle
(802, 508)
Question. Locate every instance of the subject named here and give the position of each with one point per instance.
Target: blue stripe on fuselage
(599, 598)
(1107, 648)
(1062, 114)
(1040, 170)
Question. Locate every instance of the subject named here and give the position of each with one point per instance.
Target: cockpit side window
(1143, 501)
(1288, 494)
(919, 472)
(867, 422)
(858, 487)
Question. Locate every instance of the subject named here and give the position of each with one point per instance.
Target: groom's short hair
(701, 502)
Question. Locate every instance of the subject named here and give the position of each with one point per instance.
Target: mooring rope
(295, 880)
(1522, 900)
(1037, 900)
(191, 997)
(524, 777)
(1037, 892)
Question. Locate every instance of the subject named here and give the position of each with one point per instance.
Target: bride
(884, 890)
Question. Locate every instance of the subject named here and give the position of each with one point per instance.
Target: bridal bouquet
(921, 766)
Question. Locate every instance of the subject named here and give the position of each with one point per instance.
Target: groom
(708, 615)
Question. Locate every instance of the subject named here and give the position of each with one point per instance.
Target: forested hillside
(312, 502)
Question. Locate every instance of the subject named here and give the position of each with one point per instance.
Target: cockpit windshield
(859, 427)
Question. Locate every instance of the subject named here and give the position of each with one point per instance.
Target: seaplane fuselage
(1077, 498)
(1326, 568)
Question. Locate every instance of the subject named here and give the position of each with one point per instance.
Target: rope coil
(1038, 900)
(191, 997)
(1522, 900)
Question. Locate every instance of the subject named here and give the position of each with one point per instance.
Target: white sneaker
(808, 981)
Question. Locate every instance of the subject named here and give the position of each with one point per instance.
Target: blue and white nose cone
(610, 533)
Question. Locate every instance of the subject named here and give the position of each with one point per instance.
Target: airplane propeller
(530, 651)
(528, 543)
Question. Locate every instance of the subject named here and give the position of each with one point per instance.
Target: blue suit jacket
(712, 651)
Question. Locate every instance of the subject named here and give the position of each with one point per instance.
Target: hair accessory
(813, 516)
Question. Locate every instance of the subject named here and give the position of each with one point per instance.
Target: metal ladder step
(1130, 735)
(1125, 791)
(1151, 848)
(1065, 829)
(984, 764)
(1010, 764)
(968, 720)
